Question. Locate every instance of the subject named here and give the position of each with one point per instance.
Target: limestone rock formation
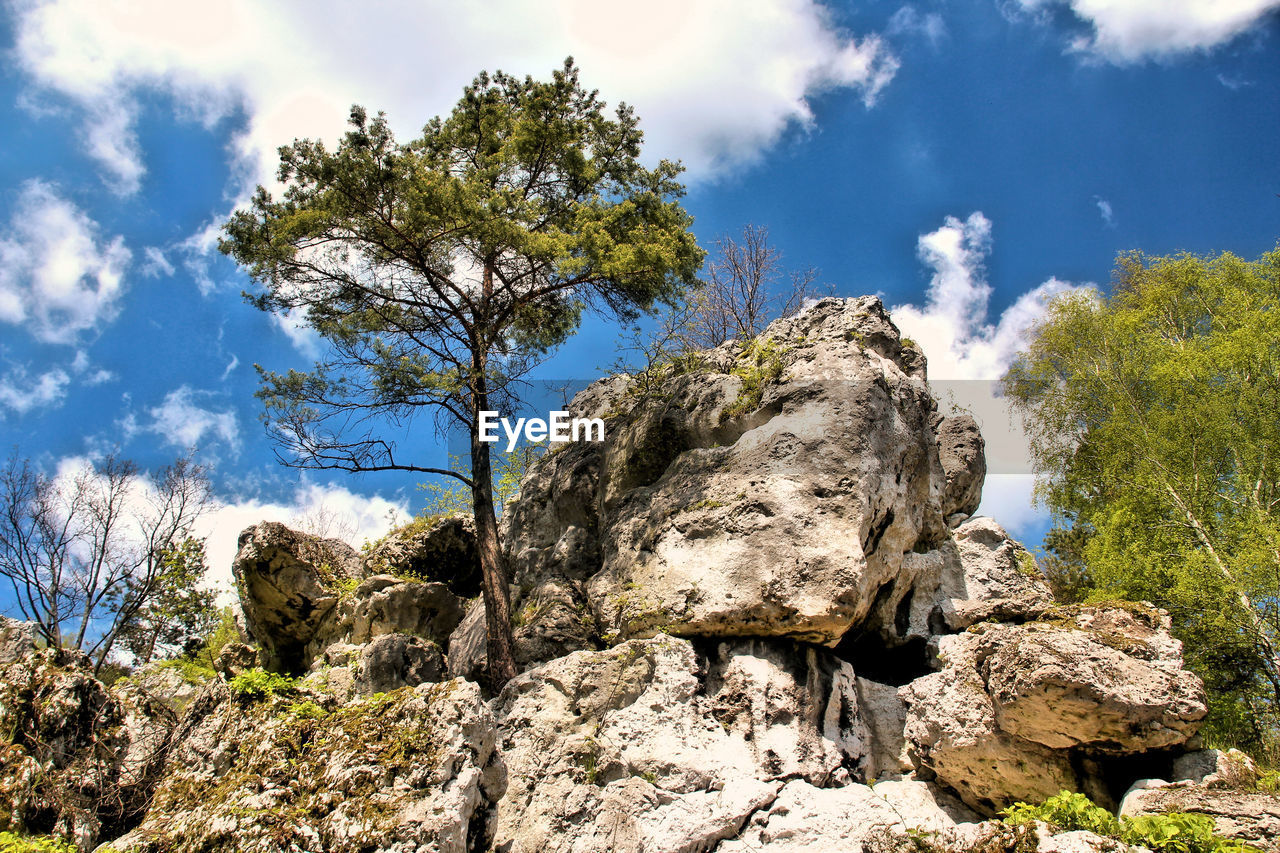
(441, 550)
(1252, 817)
(962, 453)
(1014, 704)
(773, 493)
(78, 760)
(663, 749)
(289, 584)
(406, 771)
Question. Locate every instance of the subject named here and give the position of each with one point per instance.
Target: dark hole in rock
(874, 659)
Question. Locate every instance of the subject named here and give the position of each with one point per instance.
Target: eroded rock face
(406, 771)
(1014, 704)
(77, 759)
(668, 749)
(289, 584)
(774, 493)
(997, 579)
(1249, 816)
(964, 463)
(443, 551)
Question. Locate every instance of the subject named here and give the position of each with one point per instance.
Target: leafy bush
(257, 683)
(1175, 832)
(759, 365)
(10, 843)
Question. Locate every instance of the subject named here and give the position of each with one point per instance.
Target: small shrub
(1175, 832)
(257, 683)
(759, 365)
(11, 843)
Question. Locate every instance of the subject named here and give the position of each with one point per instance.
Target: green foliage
(759, 365)
(257, 683)
(178, 606)
(1152, 420)
(11, 843)
(198, 668)
(1066, 812)
(1175, 832)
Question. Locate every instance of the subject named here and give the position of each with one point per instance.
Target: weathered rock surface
(962, 453)
(1249, 816)
(289, 585)
(773, 494)
(383, 605)
(1014, 703)
(661, 749)
(442, 550)
(805, 818)
(406, 771)
(77, 760)
(997, 579)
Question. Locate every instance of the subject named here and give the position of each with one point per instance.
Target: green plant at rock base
(1175, 832)
(257, 683)
(11, 843)
(758, 366)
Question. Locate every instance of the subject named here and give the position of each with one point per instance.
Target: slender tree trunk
(497, 597)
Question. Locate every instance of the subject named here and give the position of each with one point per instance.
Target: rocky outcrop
(442, 550)
(78, 760)
(289, 583)
(406, 771)
(997, 579)
(962, 453)
(1016, 707)
(297, 605)
(660, 748)
(1252, 817)
(773, 493)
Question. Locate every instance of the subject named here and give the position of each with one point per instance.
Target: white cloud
(1009, 499)
(361, 516)
(952, 327)
(20, 393)
(967, 353)
(58, 278)
(157, 264)
(305, 339)
(1104, 208)
(908, 20)
(184, 424)
(1128, 31)
(714, 81)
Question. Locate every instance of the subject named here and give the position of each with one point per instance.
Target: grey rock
(1015, 703)
(807, 818)
(441, 550)
(997, 580)
(1217, 768)
(961, 451)
(468, 645)
(1248, 816)
(392, 661)
(674, 750)
(706, 513)
(289, 583)
(235, 658)
(17, 640)
(406, 771)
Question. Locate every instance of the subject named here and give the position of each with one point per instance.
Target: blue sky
(965, 159)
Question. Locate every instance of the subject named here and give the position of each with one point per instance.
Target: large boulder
(657, 747)
(289, 583)
(997, 579)
(962, 453)
(440, 549)
(1017, 709)
(408, 771)
(776, 491)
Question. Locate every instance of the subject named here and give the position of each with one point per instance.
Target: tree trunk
(497, 598)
